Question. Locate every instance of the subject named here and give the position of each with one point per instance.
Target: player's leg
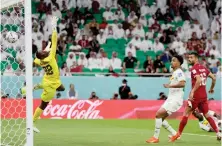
(203, 107)
(160, 115)
(188, 111)
(47, 96)
(61, 88)
(169, 128)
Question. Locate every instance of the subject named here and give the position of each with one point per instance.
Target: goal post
(16, 125)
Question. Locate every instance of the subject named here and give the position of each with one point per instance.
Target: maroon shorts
(201, 104)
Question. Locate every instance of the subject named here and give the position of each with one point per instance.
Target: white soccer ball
(11, 37)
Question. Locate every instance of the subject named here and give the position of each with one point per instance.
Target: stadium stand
(97, 36)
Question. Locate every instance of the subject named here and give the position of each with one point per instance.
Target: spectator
(119, 14)
(159, 16)
(148, 65)
(212, 61)
(124, 90)
(159, 65)
(71, 58)
(139, 31)
(94, 27)
(41, 8)
(20, 55)
(72, 93)
(75, 48)
(111, 3)
(158, 46)
(166, 56)
(177, 45)
(131, 49)
(129, 32)
(165, 39)
(108, 15)
(151, 21)
(94, 45)
(119, 32)
(214, 52)
(74, 68)
(82, 61)
(104, 61)
(110, 34)
(93, 96)
(95, 6)
(64, 70)
(101, 37)
(8, 71)
(143, 21)
(80, 35)
(93, 62)
(126, 25)
(5, 55)
(162, 96)
(136, 42)
(146, 44)
(219, 73)
(129, 61)
(115, 62)
(84, 43)
(103, 24)
(115, 96)
(144, 9)
(132, 17)
(111, 72)
(155, 26)
(56, 12)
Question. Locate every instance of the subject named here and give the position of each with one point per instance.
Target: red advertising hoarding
(98, 109)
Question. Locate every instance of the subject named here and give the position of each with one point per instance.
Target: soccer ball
(11, 37)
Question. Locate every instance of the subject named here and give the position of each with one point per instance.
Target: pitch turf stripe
(198, 135)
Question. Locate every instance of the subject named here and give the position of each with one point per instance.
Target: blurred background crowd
(117, 37)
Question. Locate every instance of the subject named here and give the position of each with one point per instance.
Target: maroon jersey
(203, 72)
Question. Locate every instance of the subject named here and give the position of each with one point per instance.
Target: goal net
(16, 73)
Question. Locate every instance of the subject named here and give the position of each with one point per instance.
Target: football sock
(183, 123)
(212, 124)
(37, 114)
(169, 128)
(157, 127)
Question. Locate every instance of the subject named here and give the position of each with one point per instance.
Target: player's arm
(181, 84)
(197, 83)
(212, 76)
(36, 62)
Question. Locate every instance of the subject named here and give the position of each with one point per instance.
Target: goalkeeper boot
(36, 130)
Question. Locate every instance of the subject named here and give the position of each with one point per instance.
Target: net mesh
(13, 104)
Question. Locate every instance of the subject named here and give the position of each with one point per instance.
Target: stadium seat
(152, 54)
(110, 41)
(3, 65)
(168, 65)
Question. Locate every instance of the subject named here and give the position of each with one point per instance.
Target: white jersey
(205, 124)
(176, 94)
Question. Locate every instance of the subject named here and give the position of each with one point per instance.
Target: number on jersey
(48, 69)
(203, 77)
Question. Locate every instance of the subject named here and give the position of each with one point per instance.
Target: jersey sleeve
(37, 61)
(195, 71)
(53, 48)
(180, 76)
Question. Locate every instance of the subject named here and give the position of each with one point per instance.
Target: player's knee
(61, 88)
(43, 105)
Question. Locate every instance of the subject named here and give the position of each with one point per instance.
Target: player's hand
(211, 91)
(54, 22)
(166, 85)
(191, 96)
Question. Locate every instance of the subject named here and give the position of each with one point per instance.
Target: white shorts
(172, 106)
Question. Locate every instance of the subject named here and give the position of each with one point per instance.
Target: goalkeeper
(51, 80)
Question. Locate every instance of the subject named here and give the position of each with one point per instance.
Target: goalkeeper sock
(37, 114)
(157, 127)
(169, 128)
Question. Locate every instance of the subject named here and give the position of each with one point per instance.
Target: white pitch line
(198, 135)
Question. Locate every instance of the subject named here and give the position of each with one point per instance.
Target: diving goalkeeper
(51, 80)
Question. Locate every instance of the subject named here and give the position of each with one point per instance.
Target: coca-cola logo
(81, 109)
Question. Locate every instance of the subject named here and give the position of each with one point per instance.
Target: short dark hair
(195, 54)
(38, 55)
(179, 58)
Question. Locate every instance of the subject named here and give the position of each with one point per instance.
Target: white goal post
(16, 131)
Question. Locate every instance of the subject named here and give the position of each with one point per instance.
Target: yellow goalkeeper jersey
(51, 77)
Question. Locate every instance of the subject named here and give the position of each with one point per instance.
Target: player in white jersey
(174, 100)
(204, 124)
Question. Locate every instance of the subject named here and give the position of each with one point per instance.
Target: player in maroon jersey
(198, 95)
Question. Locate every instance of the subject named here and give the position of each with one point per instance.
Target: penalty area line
(191, 134)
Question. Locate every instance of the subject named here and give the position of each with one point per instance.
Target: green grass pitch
(106, 133)
(115, 133)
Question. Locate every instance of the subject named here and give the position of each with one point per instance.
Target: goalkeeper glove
(47, 49)
(54, 22)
